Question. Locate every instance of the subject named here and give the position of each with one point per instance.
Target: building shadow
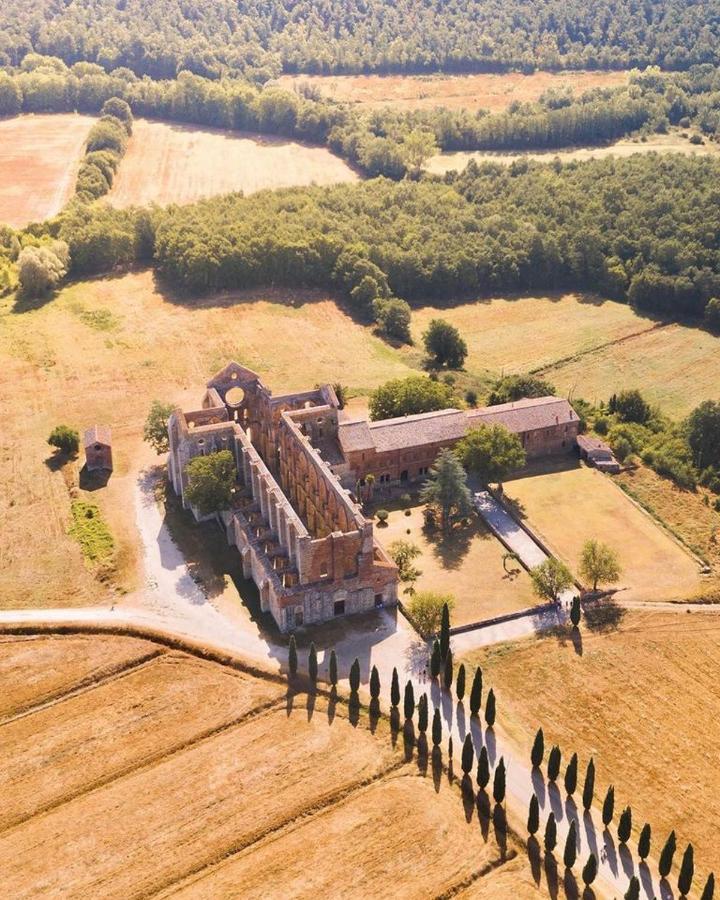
(95, 480)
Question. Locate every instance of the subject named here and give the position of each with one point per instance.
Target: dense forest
(261, 38)
(381, 142)
(645, 229)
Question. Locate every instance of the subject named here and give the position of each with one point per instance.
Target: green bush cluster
(105, 147)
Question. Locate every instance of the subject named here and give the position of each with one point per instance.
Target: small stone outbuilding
(98, 449)
(597, 453)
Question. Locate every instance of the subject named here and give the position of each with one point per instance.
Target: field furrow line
(557, 363)
(148, 762)
(205, 868)
(90, 683)
(482, 872)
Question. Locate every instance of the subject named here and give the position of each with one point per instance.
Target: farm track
(148, 762)
(86, 684)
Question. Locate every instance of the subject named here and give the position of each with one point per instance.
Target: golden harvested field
(172, 163)
(128, 786)
(39, 159)
(608, 347)
(673, 142)
(483, 91)
(453, 565)
(102, 351)
(642, 700)
(684, 512)
(569, 506)
(674, 366)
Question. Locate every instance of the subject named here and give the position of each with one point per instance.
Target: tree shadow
(534, 857)
(556, 804)
(460, 719)
(572, 891)
(551, 875)
(374, 714)
(422, 754)
(482, 804)
(394, 725)
(603, 616)
(590, 834)
(646, 879)
(491, 745)
(332, 707)
(451, 547)
(626, 860)
(500, 828)
(289, 701)
(408, 739)
(436, 761)
(610, 852)
(577, 641)
(354, 709)
(539, 786)
(310, 704)
(58, 459)
(468, 797)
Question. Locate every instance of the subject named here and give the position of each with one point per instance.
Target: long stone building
(300, 533)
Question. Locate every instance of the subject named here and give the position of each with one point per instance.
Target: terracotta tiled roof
(98, 434)
(412, 431)
(354, 436)
(528, 414)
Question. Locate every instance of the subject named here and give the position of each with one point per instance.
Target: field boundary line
(273, 831)
(84, 686)
(581, 354)
(478, 874)
(150, 761)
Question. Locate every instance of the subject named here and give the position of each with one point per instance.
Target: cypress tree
(633, 891)
(395, 688)
(550, 834)
(435, 660)
(575, 612)
(483, 768)
(625, 825)
(554, 759)
(499, 782)
(589, 872)
(292, 656)
(533, 822)
(476, 692)
(460, 682)
(687, 871)
(355, 676)
(374, 683)
(589, 786)
(409, 700)
(538, 749)
(450, 747)
(467, 759)
(436, 728)
(644, 842)
(490, 708)
(709, 889)
(666, 857)
(445, 631)
(312, 663)
(423, 713)
(570, 854)
(571, 775)
(333, 670)
(608, 806)
(448, 674)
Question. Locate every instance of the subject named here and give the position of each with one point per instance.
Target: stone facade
(301, 537)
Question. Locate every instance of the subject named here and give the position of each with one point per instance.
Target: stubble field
(120, 784)
(637, 692)
(587, 347)
(172, 163)
(39, 158)
(483, 91)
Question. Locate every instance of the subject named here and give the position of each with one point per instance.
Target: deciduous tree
(444, 345)
(425, 609)
(210, 481)
(599, 564)
(551, 578)
(155, 430)
(65, 439)
(409, 396)
(491, 452)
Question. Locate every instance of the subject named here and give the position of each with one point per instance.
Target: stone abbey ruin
(301, 462)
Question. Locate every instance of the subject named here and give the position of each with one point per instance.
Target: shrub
(444, 345)
(382, 516)
(425, 609)
(65, 439)
(602, 425)
(41, 269)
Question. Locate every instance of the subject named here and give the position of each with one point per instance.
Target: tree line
(382, 142)
(260, 39)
